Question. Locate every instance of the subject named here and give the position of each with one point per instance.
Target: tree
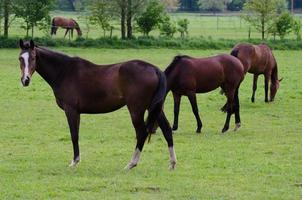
(183, 27)
(167, 27)
(189, 5)
(6, 4)
(213, 5)
(100, 14)
(171, 5)
(261, 14)
(236, 5)
(297, 25)
(32, 11)
(284, 24)
(151, 17)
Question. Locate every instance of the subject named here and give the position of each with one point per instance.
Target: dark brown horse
(188, 76)
(68, 24)
(83, 87)
(259, 59)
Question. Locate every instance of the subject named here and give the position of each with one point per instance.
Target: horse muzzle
(25, 81)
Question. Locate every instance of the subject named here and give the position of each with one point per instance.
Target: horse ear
(32, 44)
(21, 44)
(280, 79)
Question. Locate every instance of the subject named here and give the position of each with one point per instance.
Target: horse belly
(101, 105)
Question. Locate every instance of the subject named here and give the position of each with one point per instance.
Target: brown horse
(259, 59)
(188, 76)
(68, 24)
(80, 86)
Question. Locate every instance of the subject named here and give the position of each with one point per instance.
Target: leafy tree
(284, 24)
(297, 26)
(213, 5)
(171, 5)
(151, 17)
(261, 14)
(183, 27)
(189, 5)
(236, 5)
(6, 13)
(32, 11)
(167, 27)
(100, 14)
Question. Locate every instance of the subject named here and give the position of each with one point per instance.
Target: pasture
(261, 161)
(229, 26)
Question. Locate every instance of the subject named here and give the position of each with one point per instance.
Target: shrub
(284, 24)
(167, 27)
(183, 27)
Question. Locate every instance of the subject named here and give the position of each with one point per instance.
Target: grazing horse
(188, 76)
(68, 24)
(80, 86)
(259, 59)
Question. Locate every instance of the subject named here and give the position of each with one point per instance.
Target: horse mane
(172, 65)
(76, 23)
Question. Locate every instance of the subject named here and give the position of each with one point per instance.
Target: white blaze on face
(25, 57)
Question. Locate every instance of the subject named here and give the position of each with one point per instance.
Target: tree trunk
(6, 17)
(129, 19)
(262, 27)
(32, 31)
(123, 20)
(27, 29)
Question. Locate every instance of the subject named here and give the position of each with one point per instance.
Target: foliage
(183, 27)
(296, 27)
(213, 5)
(261, 14)
(189, 5)
(151, 17)
(171, 5)
(167, 27)
(235, 5)
(100, 14)
(32, 11)
(284, 24)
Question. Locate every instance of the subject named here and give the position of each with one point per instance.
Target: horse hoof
(174, 128)
(238, 125)
(130, 166)
(74, 163)
(253, 100)
(172, 165)
(225, 129)
(198, 131)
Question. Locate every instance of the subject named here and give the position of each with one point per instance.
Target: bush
(183, 27)
(151, 42)
(284, 24)
(297, 25)
(167, 27)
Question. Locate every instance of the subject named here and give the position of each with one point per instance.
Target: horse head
(274, 88)
(27, 58)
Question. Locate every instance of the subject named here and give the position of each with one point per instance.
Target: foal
(188, 76)
(259, 59)
(80, 86)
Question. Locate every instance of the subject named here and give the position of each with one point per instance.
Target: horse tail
(157, 102)
(235, 52)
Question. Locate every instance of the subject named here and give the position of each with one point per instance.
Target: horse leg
(73, 118)
(166, 129)
(254, 87)
(177, 99)
(141, 135)
(67, 30)
(71, 33)
(230, 109)
(192, 98)
(266, 82)
(237, 111)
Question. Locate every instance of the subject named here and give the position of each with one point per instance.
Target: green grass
(216, 27)
(261, 161)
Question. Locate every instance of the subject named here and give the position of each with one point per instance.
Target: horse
(259, 59)
(80, 86)
(68, 24)
(188, 76)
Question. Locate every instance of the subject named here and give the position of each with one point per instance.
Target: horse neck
(51, 66)
(274, 75)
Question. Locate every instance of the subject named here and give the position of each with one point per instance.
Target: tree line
(270, 17)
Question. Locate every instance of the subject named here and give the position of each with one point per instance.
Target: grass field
(261, 161)
(227, 26)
